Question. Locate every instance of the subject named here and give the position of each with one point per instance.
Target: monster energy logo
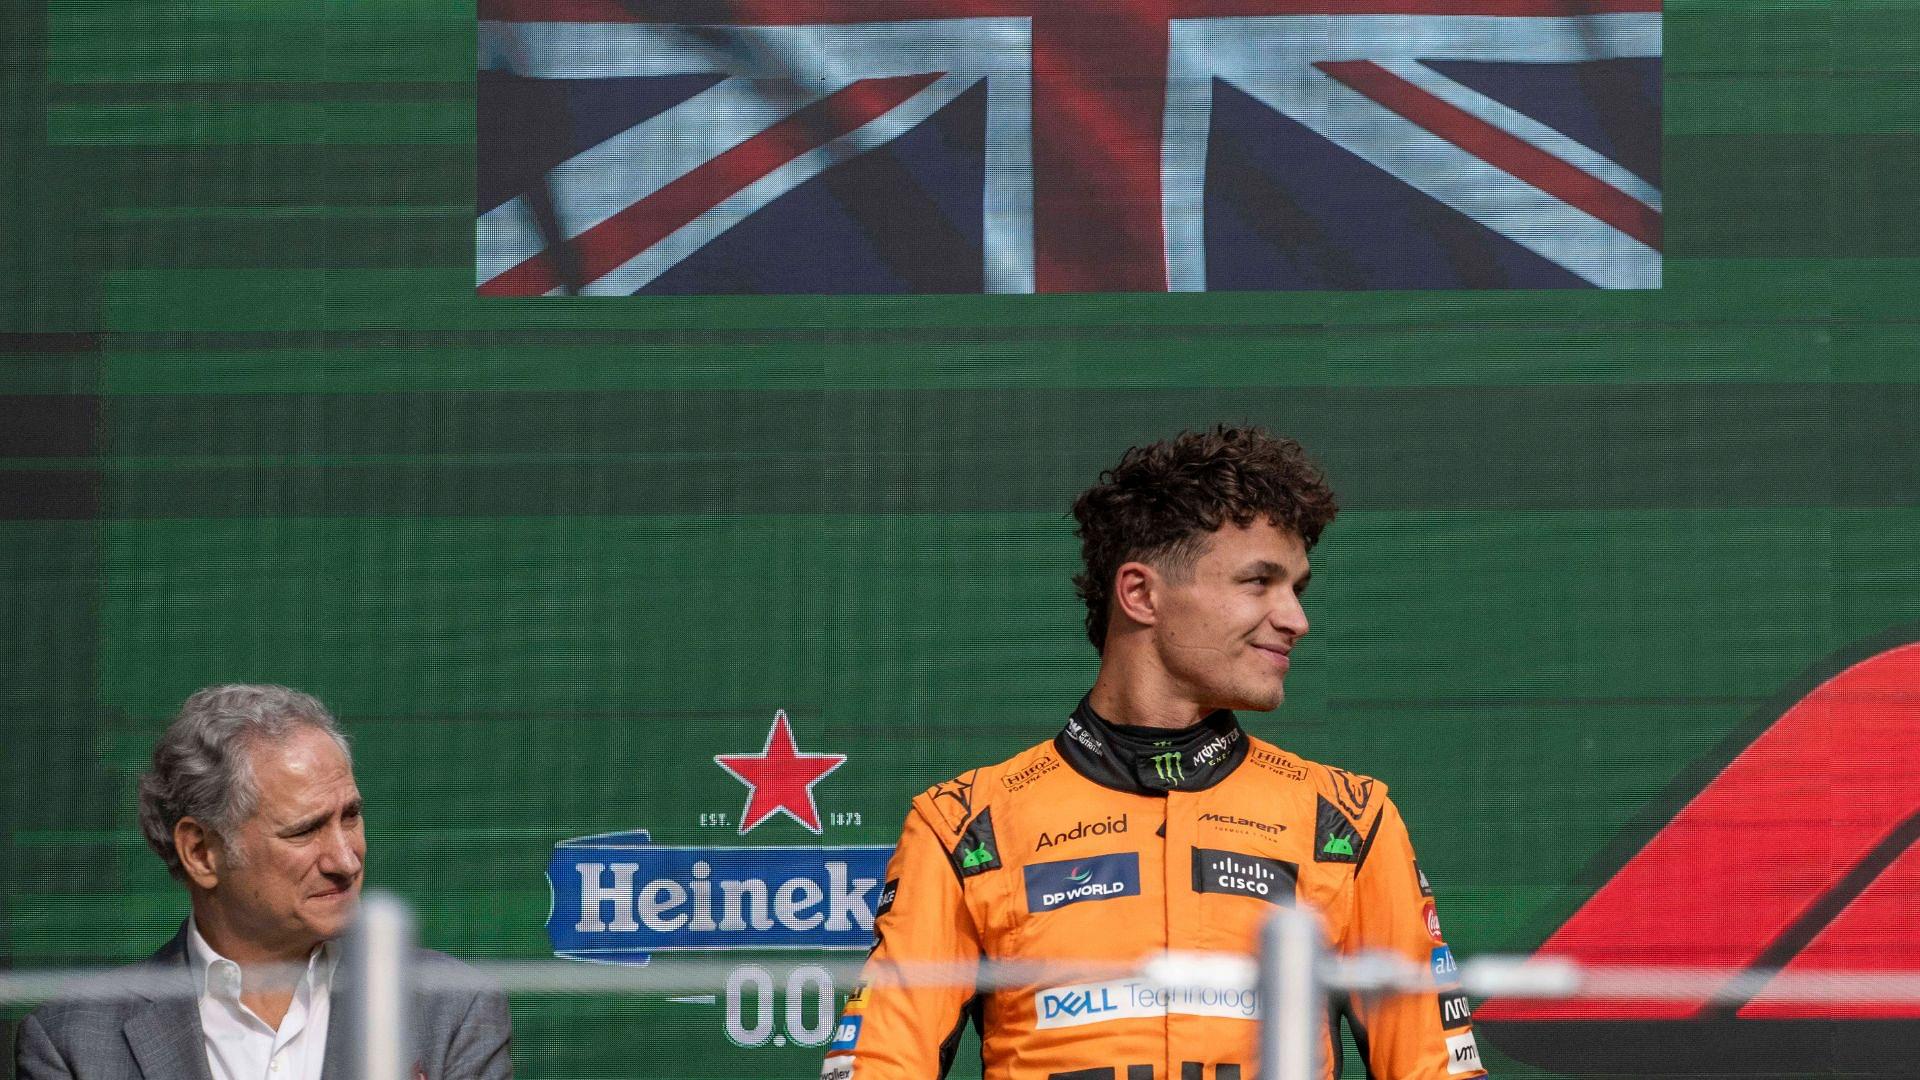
(1167, 767)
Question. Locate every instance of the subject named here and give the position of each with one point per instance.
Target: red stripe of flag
(605, 247)
(1099, 96)
(1503, 150)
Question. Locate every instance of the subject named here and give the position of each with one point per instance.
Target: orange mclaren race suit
(1116, 844)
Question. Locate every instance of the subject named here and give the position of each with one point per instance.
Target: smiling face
(291, 878)
(1222, 631)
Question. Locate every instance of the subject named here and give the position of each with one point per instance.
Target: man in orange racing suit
(1153, 822)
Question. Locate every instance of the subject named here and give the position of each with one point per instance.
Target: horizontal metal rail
(666, 973)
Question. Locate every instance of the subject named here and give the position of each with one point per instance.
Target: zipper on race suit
(1174, 875)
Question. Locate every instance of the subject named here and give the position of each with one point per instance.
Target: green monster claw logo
(1168, 768)
(977, 857)
(1337, 845)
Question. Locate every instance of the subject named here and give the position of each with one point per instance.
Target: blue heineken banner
(619, 898)
(1015, 146)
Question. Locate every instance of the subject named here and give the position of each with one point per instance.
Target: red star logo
(780, 778)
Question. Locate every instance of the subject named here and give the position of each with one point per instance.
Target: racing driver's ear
(1136, 593)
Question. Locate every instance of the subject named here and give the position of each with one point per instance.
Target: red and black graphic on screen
(1800, 854)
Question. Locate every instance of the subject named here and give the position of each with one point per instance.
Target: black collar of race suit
(1151, 761)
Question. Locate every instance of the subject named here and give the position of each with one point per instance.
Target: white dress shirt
(240, 1045)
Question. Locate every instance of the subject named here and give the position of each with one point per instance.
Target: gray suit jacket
(457, 1036)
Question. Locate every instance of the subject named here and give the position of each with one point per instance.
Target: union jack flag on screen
(1017, 146)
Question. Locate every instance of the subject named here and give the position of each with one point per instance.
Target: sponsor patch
(857, 1001)
(1350, 791)
(1113, 826)
(1445, 970)
(954, 799)
(977, 852)
(1244, 875)
(846, 1035)
(1334, 837)
(1209, 754)
(884, 902)
(1244, 825)
(1078, 733)
(1432, 916)
(1017, 780)
(1053, 885)
(1278, 763)
(1130, 999)
(1463, 1054)
(1169, 767)
(1426, 887)
(1454, 1010)
(838, 1067)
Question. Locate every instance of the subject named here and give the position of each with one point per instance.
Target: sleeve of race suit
(1422, 1036)
(898, 1025)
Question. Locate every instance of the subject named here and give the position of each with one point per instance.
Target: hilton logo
(1244, 875)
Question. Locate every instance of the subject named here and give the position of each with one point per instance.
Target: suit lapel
(165, 1035)
(340, 1016)
(166, 1041)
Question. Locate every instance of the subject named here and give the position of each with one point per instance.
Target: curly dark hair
(1161, 501)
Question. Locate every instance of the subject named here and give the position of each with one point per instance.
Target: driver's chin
(1261, 699)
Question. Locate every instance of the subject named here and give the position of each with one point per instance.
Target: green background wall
(547, 558)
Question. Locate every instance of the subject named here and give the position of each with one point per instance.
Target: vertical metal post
(378, 948)
(1292, 1000)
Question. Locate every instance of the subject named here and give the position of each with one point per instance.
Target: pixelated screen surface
(749, 559)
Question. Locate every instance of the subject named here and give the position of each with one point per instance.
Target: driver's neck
(1132, 691)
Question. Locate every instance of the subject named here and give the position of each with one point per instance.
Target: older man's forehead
(305, 770)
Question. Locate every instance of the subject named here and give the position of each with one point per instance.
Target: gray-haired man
(252, 804)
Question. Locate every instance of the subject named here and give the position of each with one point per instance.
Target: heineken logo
(780, 778)
(618, 897)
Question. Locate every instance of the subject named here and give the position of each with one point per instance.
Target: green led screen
(549, 557)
